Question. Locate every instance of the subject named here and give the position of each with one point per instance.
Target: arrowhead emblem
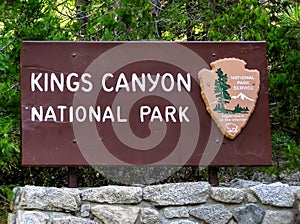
(230, 92)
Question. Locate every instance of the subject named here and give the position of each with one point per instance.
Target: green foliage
(226, 26)
(284, 83)
(6, 190)
(286, 153)
(116, 20)
(6, 195)
(20, 20)
(290, 20)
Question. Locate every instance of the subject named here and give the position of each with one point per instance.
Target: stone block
(149, 215)
(176, 212)
(296, 191)
(28, 217)
(47, 198)
(113, 195)
(72, 220)
(276, 194)
(250, 198)
(116, 214)
(278, 217)
(183, 221)
(212, 214)
(85, 210)
(248, 214)
(177, 194)
(228, 195)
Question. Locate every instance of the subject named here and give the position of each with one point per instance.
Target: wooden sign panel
(144, 103)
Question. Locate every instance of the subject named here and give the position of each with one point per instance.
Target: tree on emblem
(240, 110)
(224, 97)
(221, 88)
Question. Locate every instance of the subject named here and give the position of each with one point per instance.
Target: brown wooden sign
(144, 103)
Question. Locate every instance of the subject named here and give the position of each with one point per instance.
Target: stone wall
(244, 202)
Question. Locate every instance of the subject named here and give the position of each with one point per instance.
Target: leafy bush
(284, 80)
(6, 195)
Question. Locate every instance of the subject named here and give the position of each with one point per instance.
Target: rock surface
(212, 214)
(149, 215)
(296, 191)
(248, 214)
(276, 194)
(72, 220)
(85, 210)
(228, 195)
(183, 222)
(180, 203)
(116, 214)
(113, 195)
(176, 212)
(28, 217)
(47, 198)
(278, 217)
(177, 194)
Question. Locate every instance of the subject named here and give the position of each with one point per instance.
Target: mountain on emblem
(230, 92)
(242, 96)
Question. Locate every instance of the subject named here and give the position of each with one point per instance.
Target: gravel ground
(291, 178)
